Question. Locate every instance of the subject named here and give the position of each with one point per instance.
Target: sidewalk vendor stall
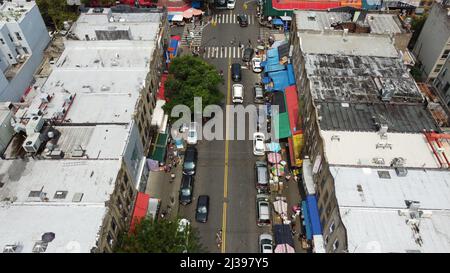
(284, 243)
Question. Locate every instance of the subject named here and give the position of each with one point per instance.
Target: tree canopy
(191, 77)
(55, 12)
(160, 236)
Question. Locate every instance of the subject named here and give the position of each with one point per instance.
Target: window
(446, 87)
(445, 54)
(113, 225)
(438, 68)
(10, 56)
(9, 35)
(18, 36)
(335, 245)
(2, 41)
(332, 227)
(25, 50)
(17, 52)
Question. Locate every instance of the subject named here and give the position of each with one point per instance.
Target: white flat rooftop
(98, 142)
(14, 10)
(360, 149)
(369, 206)
(350, 44)
(138, 26)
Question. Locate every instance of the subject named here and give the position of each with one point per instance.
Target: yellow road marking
(225, 174)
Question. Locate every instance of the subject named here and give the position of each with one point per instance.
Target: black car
(190, 161)
(248, 54)
(201, 213)
(242, 20)
(186, 189)
(236, 72)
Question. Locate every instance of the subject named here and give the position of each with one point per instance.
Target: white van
(153, 208)
(238, 93)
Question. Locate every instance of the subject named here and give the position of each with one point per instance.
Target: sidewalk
(159, 186)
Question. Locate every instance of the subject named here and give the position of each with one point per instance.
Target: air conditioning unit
(35, 125)
(17, 43)
(32, 143)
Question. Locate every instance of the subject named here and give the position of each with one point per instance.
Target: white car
(231, 4)
(265, 243)
(258, 144)
(238, 93)
(192, 134)
(183, 224)
(256, 64)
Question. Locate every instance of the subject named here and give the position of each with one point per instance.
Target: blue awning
(274, 67)
(291, 76)
(277, 22)
(174, 44)
(263, 64)
(266, 80)
(170, 17)
(196, 4)
(306, 220)
(313, 212)
(280, 80)
(272, 53)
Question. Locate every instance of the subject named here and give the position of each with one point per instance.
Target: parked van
(153, 208)
(236, 72)
(238, 93)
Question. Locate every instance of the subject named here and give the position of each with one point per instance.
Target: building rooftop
(375, 213)
(107, 25)
(324, 20)
(347, 44)
(405, 118)
(14, 11)
(66, 197)
(372, 149)
(337, 77)
(112, 76)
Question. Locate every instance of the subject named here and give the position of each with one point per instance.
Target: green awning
(281, 125)
(159, 150)
(268, 10)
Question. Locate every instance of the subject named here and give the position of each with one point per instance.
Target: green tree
(160, 236)
(55, 12)
(192, 77)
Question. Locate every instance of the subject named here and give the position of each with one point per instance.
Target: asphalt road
(225, 168)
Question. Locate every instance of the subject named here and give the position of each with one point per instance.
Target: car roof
(202, 199)
(265, 236)
(248, 49)
(236, 65)
(186, 180)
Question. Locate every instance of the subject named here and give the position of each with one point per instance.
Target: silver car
(265, 243)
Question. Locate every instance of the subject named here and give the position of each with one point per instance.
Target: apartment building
(364, 119)
(433, 44)
(23, 39)
(81, 140)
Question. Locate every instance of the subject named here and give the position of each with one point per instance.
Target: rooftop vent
(401, 171)
(40, 247)
(14, 248)
(60, 195)
(378, 160)
(77, 197)
(384, 174)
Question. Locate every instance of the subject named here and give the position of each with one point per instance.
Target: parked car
(262, 210)
(231, 4)
(258, 144)
(186, 189)
(192, 134)
(201, 213)
(265, 243)
(256, 65)
(190, 160)
(258, 93)
(248, 54)
(261, 175)
(242, 20)
(236, 72)
(238, 93)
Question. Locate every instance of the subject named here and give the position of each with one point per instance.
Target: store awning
(306, 220)
(159, 150)
(140, 209)
(158, 114)
(177, 18)
(281, 125)
(291, 75)
(161, 90)
(295, 148)
(283, 235)
(272, 53)
(313, 212)
(277, 22)
(292, 106)
(283, 51)
(170, 17)
(286, 18)
(265, 80)
(280, 80)
(196, 4)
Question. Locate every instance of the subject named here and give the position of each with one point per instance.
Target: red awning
(160, 95)
(292, 105)
(140, 209)
(296, 4)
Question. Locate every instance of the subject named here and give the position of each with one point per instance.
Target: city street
(225, 168)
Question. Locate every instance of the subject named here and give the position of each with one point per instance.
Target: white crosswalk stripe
(231, 18)
(214, 52)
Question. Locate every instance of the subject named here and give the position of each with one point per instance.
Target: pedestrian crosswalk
(227, 18)
(219, 52)
(192, 36)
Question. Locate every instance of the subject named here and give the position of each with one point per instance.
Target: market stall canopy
(188, 13)
(277, 22)
(280, 206)
(286, 18)
(284, 248)
(177, 18)
(274, 158)
(277, 170)
(153, 165)
(197, 12)
(273, 147)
